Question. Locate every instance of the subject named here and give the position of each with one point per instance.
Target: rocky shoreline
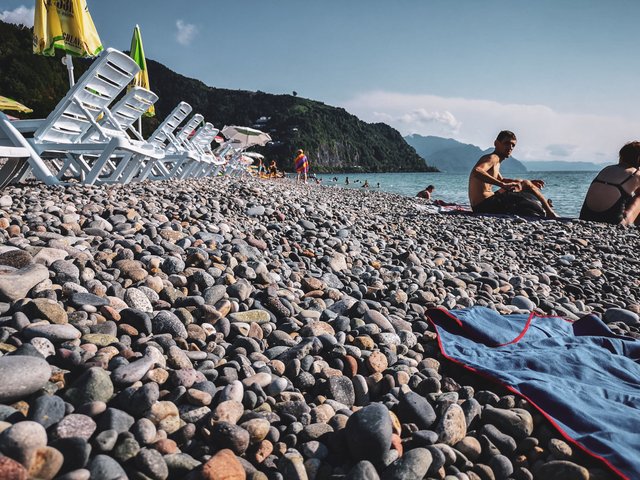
(237, 328)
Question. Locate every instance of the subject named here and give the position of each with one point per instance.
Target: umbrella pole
(140, 126)
(68, 61)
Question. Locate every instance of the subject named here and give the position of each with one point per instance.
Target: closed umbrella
(9, 104)
(142, 77)
(245, 137)
(67, 26)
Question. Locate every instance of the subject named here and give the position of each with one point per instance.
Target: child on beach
(301, 165)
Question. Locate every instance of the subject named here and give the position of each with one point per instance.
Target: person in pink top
(302, 165)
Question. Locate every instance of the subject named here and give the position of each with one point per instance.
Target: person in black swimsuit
(614, 195)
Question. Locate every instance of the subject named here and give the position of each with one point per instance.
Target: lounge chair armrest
(28, 126)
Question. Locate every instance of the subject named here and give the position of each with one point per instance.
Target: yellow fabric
(8, 104)
(64, 25)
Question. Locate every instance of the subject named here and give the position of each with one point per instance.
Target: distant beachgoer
(273, 169)
(426, 193)
(346, 180)
(365, 184)
(302, 165)
(378, 185)
(614, 195)
(515, 196)
(262, 170)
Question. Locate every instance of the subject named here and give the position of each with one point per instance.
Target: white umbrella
(254, 155)
(245, 137)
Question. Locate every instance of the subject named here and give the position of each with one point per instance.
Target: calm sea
(566, 189)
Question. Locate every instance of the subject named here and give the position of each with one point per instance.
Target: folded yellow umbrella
(8, 104)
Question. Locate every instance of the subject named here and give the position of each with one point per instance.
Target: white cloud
(543, 133)
(19, 16)
(186, 32)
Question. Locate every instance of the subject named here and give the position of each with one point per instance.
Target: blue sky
(562, 74)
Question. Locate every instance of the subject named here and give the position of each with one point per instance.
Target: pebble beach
(231, 328)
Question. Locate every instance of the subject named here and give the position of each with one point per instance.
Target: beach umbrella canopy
(8, 104)
(254, 155)
(244, 136)
(65, 26)
(142, 77)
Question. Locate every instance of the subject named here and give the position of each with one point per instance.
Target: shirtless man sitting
(515, 196)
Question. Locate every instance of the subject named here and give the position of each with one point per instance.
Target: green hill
(334, 140)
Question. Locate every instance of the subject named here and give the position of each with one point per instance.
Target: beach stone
(52, 332)
(151, 463)
(167, 322)
(377, 362)
(413, 465)
(292, 466)
(363, 470)
(103, 467)
(523, 303)
(75, 425)
(562, 469)
(80, 299)
(501, 466)
(165, 416)
(16, 284)
(337, 262)
(12, 470)
(516, 422)
(224, 465)
(22, 440)
(136, 299)
(115, 419)
(43, 346)
(45, 309)
(257, 316)
(47, 410)
(368, 433)
(228, 411)
(341, 390)
(46, 463)
(621, 315)
(21, 376)
(375, 317)
(233, 437)
(132, 372)
(452, 426)
(414, 408)
(94, 385)
(65, 271)
(46, 256)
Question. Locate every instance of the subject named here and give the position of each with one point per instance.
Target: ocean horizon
(566, 189)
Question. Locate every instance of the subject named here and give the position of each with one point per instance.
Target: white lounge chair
(62, 133)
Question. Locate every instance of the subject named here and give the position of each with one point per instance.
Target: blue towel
(580, 375)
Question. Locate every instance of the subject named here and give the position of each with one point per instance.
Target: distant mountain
(449, 155)
(562, 166)
(333, 139)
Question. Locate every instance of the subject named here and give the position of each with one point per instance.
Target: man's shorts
(524, 204)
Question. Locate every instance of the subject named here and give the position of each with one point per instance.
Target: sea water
(566, 189)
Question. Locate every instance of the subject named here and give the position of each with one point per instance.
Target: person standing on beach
(302, 165)
(515, 196)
